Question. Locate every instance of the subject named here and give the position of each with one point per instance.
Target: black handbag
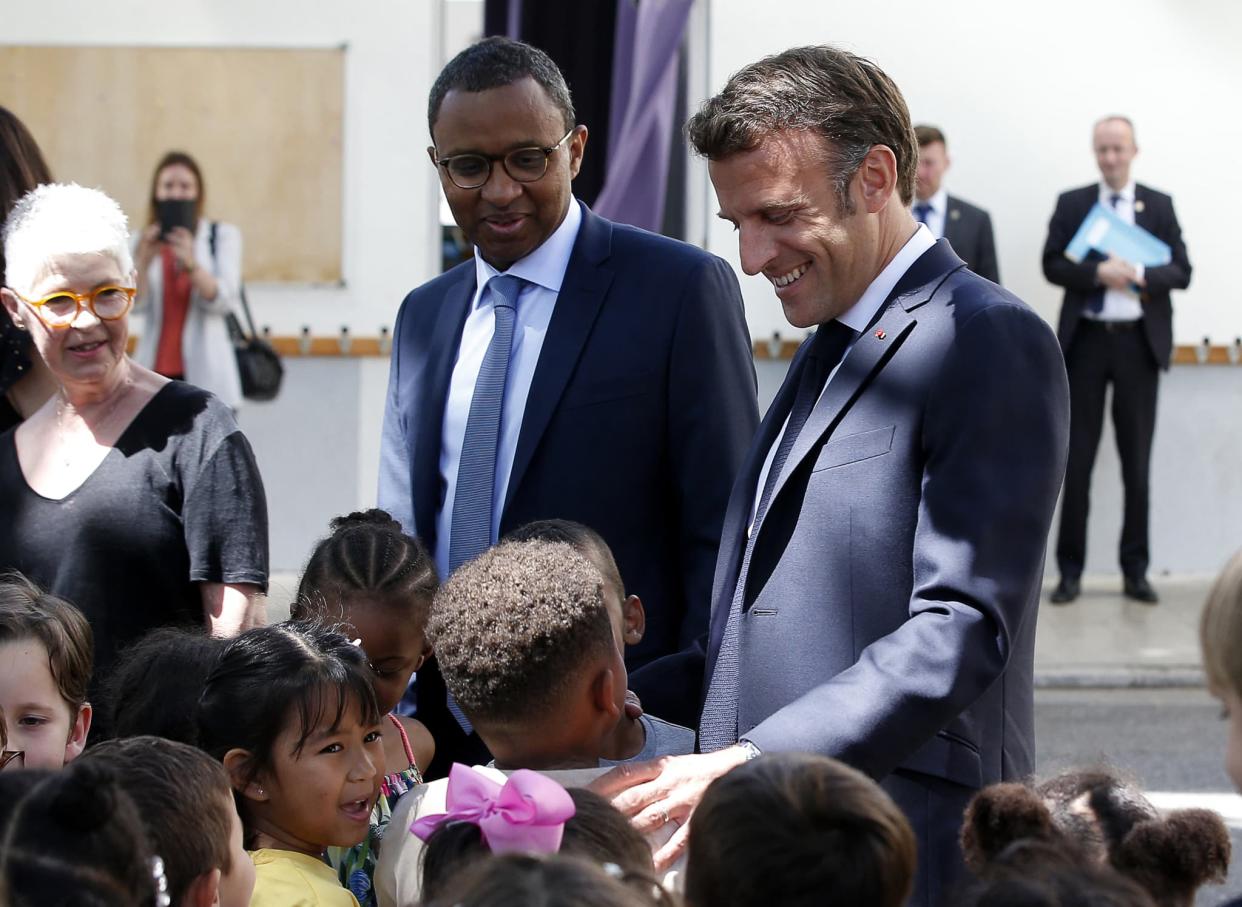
(258, 364)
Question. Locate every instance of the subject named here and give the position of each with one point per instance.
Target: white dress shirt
(1119, 305)
(939, 205)
(857, 317)
(544, 270)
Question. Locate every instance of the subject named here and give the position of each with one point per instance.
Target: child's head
(156, 683)
(1220, 634)
(186, 804)
(1098, 818)
(596, 831)
(1031, 873)
(560, 881)
(797, 829)
(74, 836)
(46, 649)
(628, 618)
(379, 581)
(290, 711)
(525, 643)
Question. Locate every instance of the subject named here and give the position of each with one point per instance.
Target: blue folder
(1104, 232)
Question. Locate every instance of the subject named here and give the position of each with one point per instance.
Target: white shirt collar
(1126, 192)
(860, 314)
(547, 264)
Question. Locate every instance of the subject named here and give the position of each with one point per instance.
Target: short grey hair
(62, 219)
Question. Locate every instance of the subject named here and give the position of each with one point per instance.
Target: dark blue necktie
(921, 212)
(1095, 304)
(718, 726)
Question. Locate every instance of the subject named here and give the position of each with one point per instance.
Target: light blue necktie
(471, 532)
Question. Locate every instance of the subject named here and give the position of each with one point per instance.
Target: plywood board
(264, 124)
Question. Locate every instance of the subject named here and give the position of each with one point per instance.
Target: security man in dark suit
(1116, 327)
(967, 227)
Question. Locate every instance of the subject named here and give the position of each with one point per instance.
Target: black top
(177, 501)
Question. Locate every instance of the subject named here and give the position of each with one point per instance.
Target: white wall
(1016, 88)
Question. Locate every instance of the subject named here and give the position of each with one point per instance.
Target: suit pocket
(950, 757)
(852, 448)
(605, 390)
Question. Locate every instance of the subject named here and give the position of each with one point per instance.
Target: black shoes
(1066, 591)
(1137, 588)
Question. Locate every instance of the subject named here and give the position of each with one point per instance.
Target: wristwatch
(752, 751)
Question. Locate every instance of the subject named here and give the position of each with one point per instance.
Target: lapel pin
(1139, 206)
(955, 214)
(880, 335)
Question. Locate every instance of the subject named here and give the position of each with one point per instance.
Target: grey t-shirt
(663, 739)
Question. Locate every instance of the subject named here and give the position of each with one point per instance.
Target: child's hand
(633, 706)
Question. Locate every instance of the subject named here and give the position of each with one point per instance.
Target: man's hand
(1117, 274)
(665, 790)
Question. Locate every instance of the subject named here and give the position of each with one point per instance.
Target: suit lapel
(582, 293)
(1143, 215)
(433, 388)
(871, 351)
(742, 500)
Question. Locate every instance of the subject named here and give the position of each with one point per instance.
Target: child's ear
(634, 620)
(78, 733)
(428, 651)
(237, 763)
(203, 891)
(604, 692)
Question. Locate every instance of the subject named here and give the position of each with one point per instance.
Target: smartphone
(175, 212)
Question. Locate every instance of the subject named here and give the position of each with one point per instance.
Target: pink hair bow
(527, 814)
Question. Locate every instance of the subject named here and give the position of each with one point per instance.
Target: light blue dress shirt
(544, 270)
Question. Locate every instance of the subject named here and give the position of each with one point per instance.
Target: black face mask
(175, 212)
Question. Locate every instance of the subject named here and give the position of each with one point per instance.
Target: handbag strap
(241, 287)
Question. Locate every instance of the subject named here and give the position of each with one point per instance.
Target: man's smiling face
(792, 227)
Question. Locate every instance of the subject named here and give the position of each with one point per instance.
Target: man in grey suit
(879, 570)
(967, 227)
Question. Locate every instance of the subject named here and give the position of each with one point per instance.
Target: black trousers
(1104, 353)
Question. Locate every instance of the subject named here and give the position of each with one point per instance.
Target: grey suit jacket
(968, 229)
(889, 616)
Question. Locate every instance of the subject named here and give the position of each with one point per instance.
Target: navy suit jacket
(1153, 211)
(640, 411)
(889, 613)
(968, 228)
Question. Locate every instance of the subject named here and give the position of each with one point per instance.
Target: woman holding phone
(187, 283)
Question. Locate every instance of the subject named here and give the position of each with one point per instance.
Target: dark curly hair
(512, 626)
(1097, 816)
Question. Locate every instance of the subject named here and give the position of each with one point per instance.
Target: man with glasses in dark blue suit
(575, 369)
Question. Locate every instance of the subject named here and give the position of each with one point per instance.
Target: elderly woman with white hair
(135, 497)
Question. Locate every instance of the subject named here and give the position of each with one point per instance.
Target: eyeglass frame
(503, 158)
(37, 305)
(9, 756)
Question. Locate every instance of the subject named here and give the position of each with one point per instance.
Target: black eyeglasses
(471, 171)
